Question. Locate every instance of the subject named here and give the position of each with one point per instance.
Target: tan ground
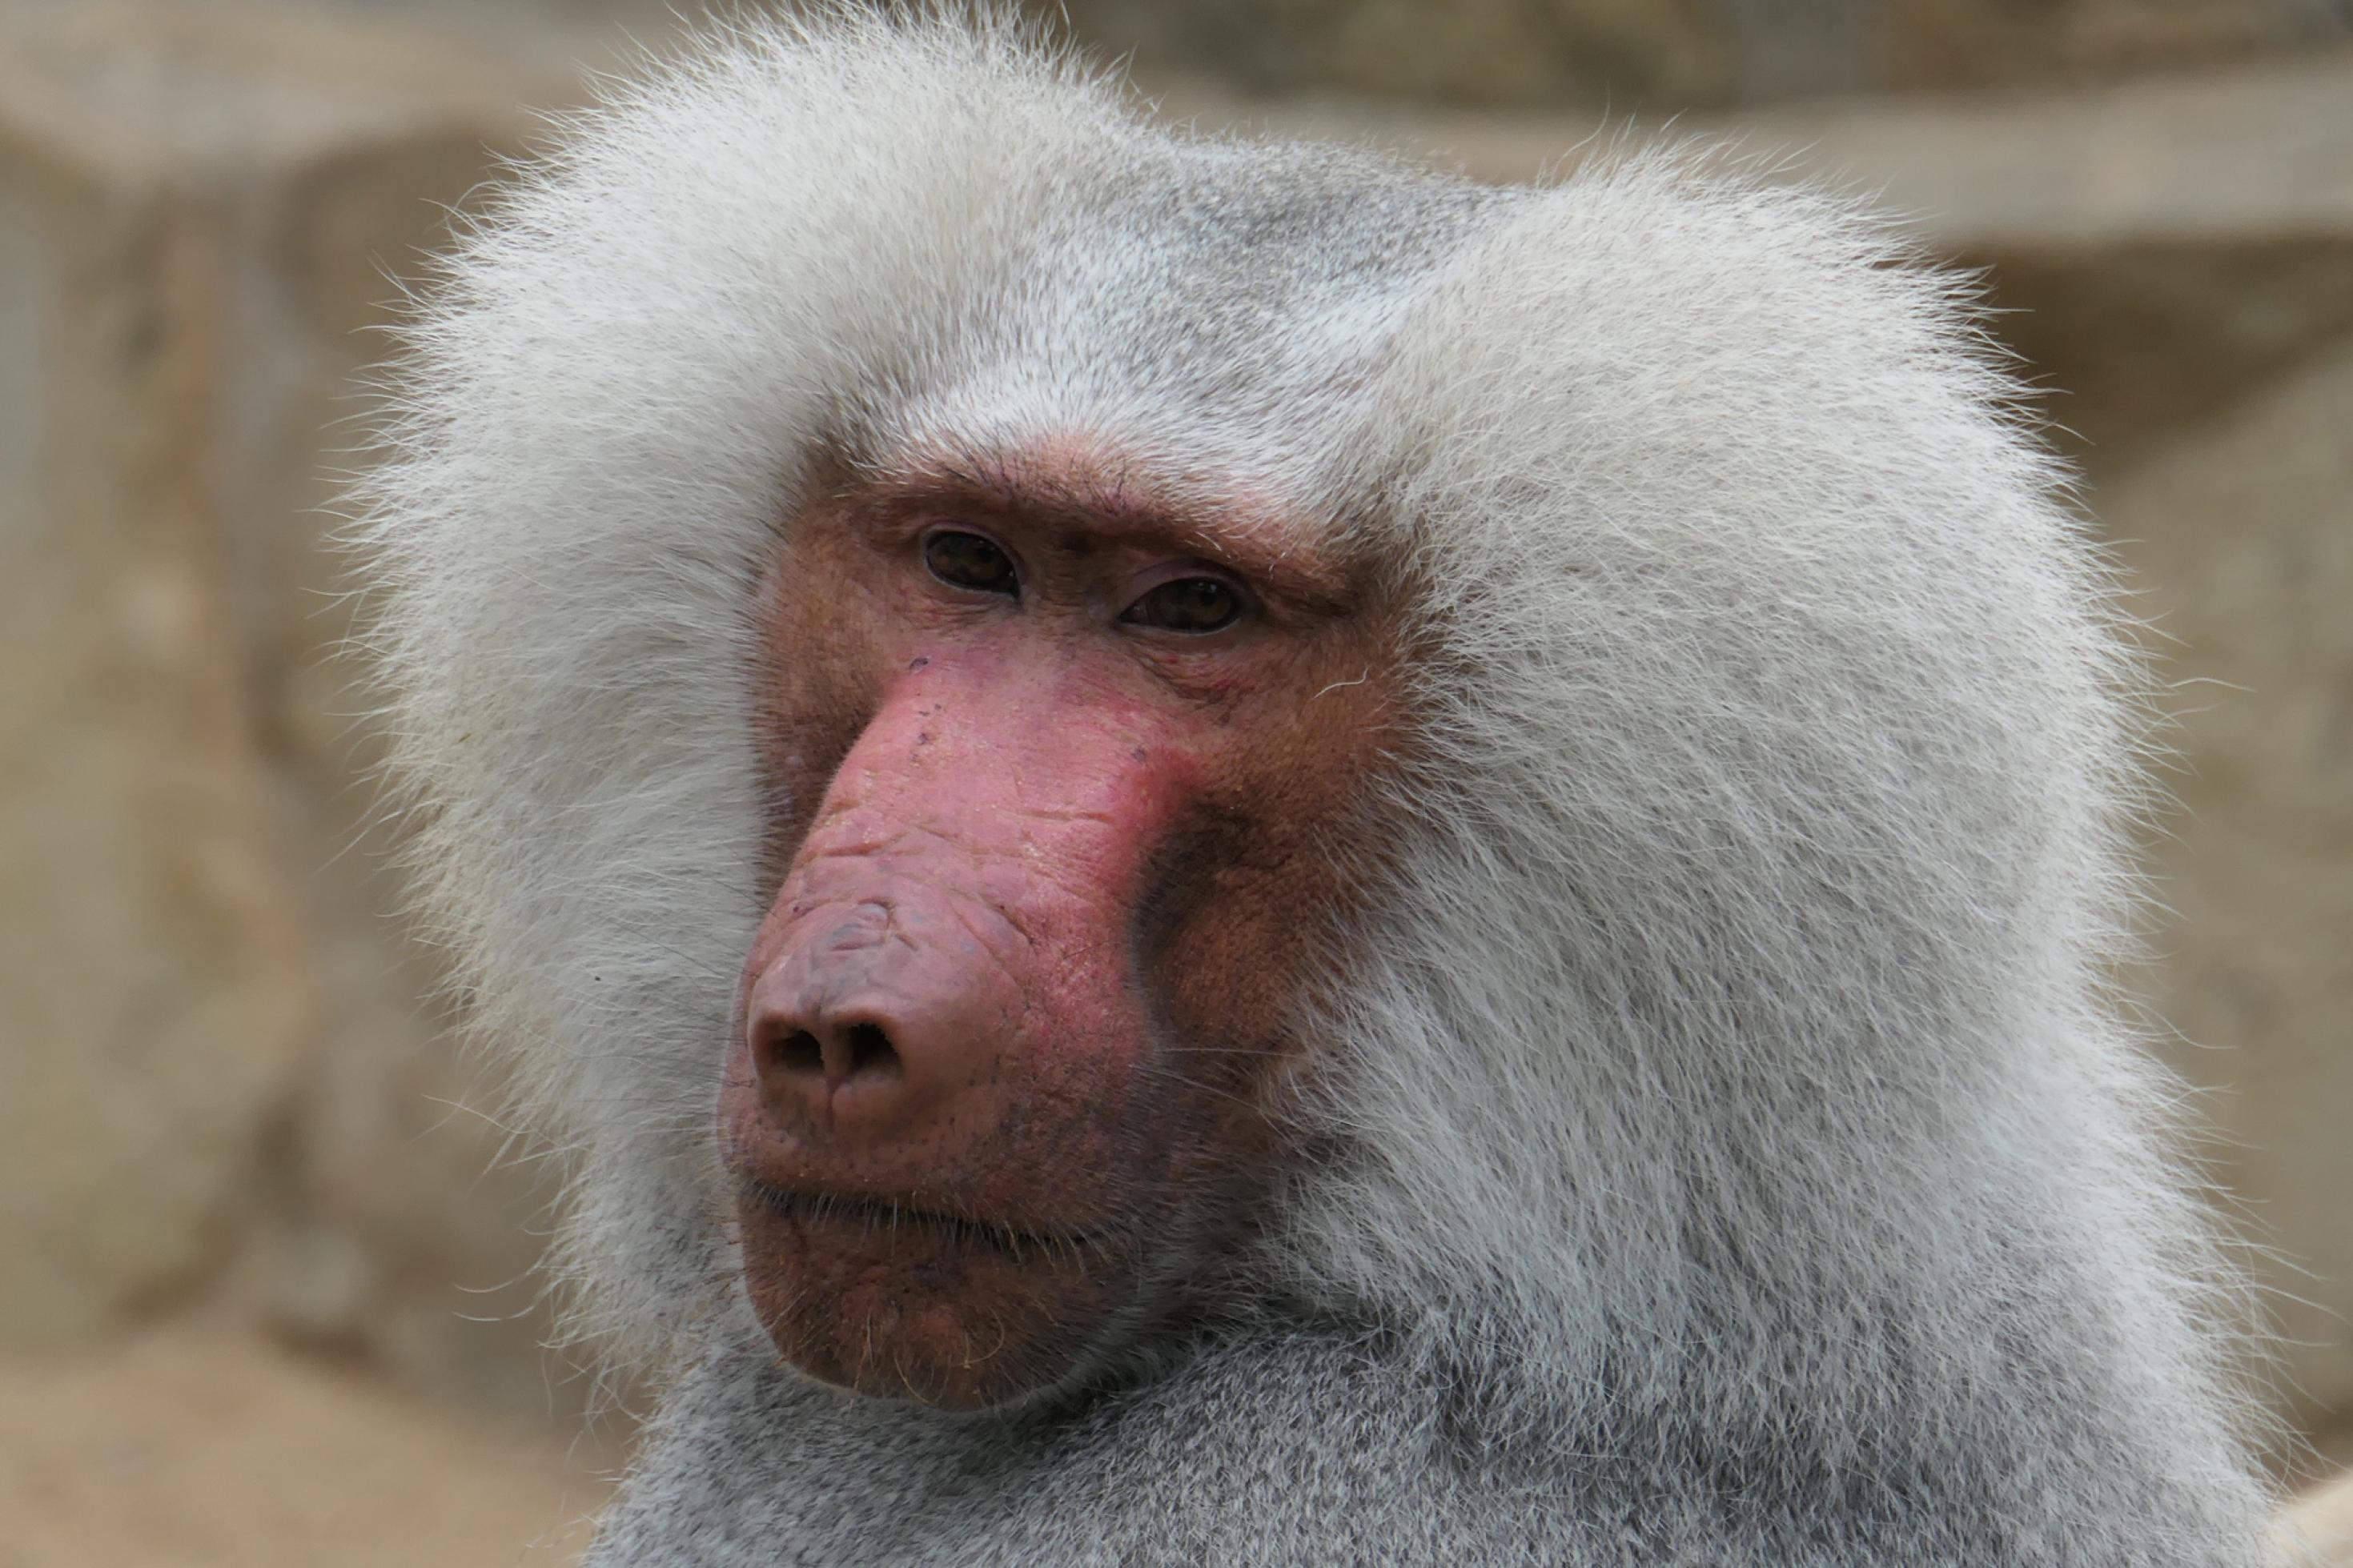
(189, 1451)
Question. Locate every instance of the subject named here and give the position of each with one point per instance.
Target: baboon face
(1068, 783)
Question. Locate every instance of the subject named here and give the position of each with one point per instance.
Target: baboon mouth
(885, 1214)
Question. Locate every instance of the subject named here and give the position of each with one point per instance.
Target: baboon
(1212, 851)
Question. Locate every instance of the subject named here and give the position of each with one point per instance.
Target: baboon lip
(886, 1212)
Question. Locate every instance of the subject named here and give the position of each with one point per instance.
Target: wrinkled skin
(1055, 836)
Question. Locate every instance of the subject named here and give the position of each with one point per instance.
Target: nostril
(799, 1052)
(837, 1053)
(870, 1053)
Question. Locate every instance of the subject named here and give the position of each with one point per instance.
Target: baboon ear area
(1063, 779)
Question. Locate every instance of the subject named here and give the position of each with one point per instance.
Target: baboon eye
(968, 561)
(1187, 605)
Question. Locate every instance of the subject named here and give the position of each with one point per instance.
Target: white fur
(1730, 1064)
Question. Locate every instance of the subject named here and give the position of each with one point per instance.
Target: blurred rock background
(259, 1231)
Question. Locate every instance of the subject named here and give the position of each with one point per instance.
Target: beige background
(267, 1295)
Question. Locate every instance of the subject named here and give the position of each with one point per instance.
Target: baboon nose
(859, 1032)
(826, 1066)
(877, 1020)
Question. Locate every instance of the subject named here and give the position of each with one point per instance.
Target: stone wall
(152, 995)
(219, 1083)
(224, 1086)
(1662, 57)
